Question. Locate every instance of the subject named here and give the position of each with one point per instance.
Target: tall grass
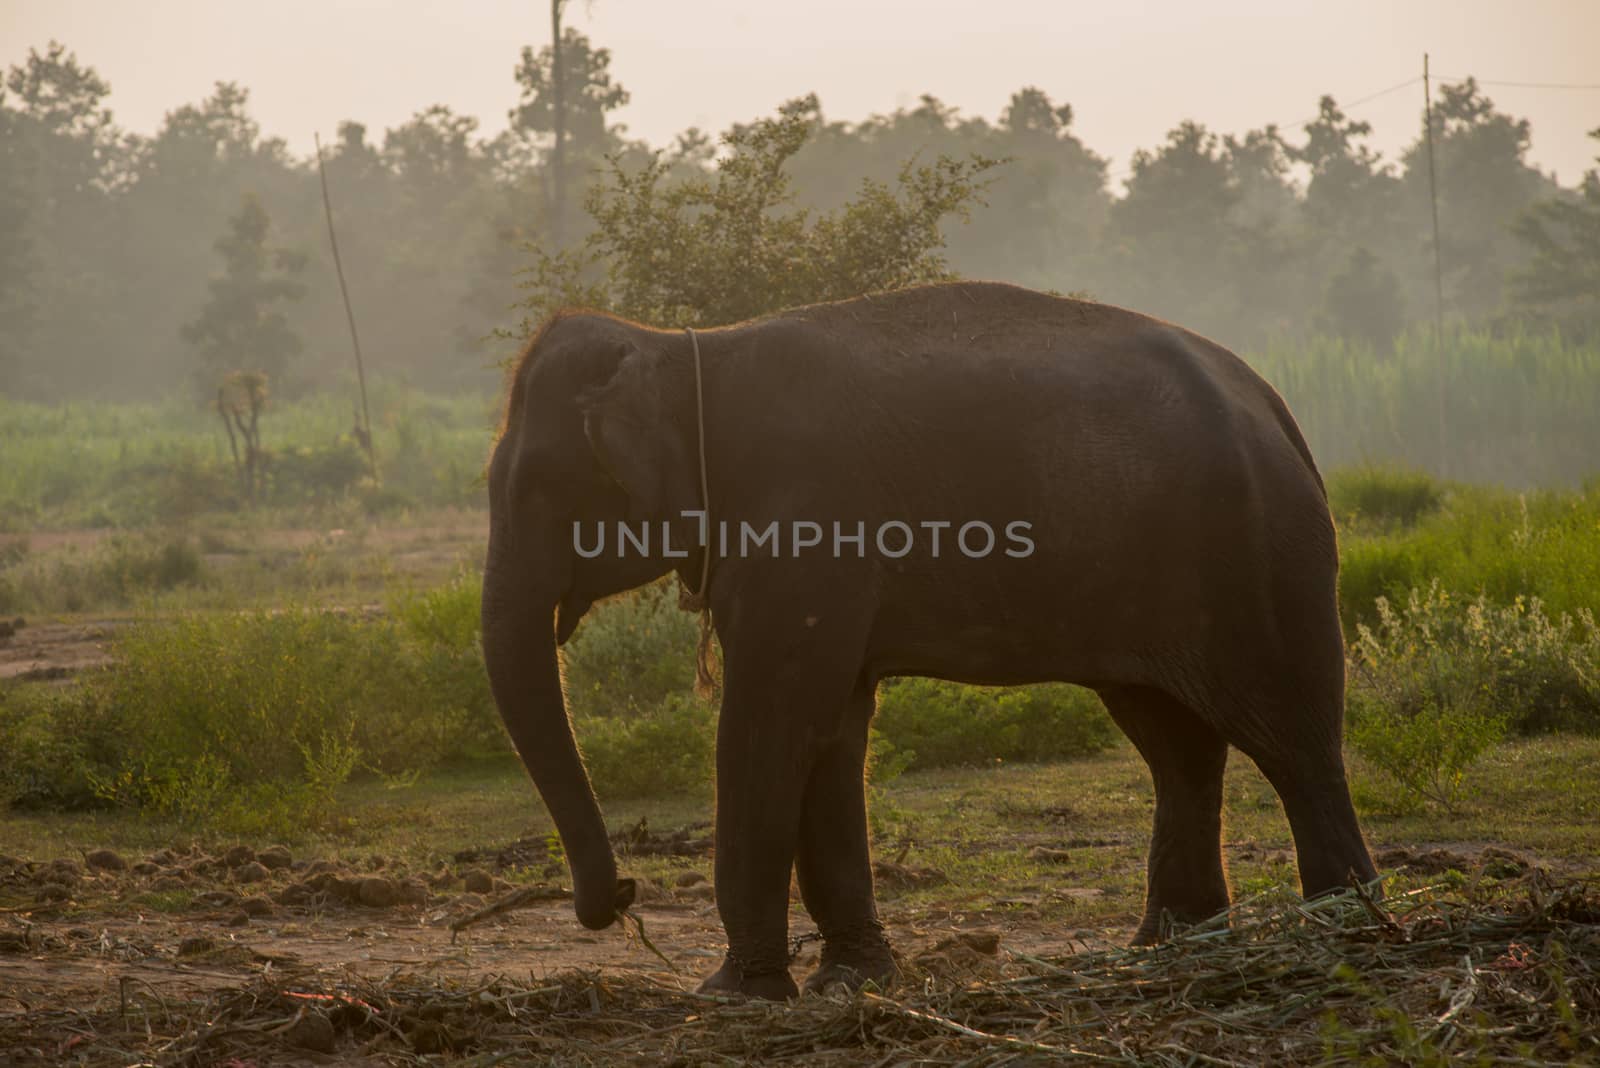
(1478, 540)
(127, 465)
(1518, 410)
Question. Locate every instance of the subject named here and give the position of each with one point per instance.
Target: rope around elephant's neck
(695, 600)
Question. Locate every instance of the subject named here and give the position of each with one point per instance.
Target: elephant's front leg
(763, 758)
(792, 650)
(834, 862)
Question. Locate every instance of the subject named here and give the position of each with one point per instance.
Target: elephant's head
(595, 432)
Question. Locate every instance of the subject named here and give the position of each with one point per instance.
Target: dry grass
(1501, 974)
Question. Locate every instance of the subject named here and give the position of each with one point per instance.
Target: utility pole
(558, 104)
(1438, 272)
(364, 431)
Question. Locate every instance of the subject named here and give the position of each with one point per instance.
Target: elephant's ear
(631, 431)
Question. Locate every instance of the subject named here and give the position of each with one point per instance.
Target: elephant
(1175, 554)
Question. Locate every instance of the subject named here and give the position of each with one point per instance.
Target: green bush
(1439, 681)
(1382, 495)
(939, 724)
(1513, 662)
(55, 746)
(668, 749)
(315, 474)
(446, 617)
(631, 653)
(206, 706)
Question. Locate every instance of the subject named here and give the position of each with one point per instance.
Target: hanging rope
(695, 600)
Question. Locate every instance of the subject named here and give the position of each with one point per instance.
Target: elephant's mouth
(569, 613)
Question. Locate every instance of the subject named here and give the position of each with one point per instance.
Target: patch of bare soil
(46, 651)
(177, 923)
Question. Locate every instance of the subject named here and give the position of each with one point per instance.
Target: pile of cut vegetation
(1508, 973)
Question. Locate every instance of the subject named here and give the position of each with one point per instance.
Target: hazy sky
(1130, 68)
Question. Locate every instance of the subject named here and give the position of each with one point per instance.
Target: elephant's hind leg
(1185, 878)
(1302, 759)
(833, 863)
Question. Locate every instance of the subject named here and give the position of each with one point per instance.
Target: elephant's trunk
(519, 650)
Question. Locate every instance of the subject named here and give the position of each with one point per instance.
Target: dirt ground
(45, 651)
(177, 924)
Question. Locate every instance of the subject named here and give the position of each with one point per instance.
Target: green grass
(976, 828)
(132, 465)
(1543, 544)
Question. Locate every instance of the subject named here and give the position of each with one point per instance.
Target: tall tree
(64, 162)
(1484, 183)
(1561, 280)
(1170, 233)
(1363, 303)
(242, 326)
(567, 92)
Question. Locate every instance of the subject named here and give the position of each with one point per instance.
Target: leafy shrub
(754, 249)
(631, 653)
(1533, 672)
(1386, 496)
(447, 616)
(284, 698)
(1424, 751)
(940, 724)
(55, 746)
(1439, 681)
(668, 749)
(316, 474)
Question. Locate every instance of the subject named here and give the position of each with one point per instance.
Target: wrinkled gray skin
(1184, 568)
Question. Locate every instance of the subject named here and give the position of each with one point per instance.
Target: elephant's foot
(731, 978)
(1159, 923)
(853, 965)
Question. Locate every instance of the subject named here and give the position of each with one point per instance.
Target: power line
(1357, 103)
(1123, 172)
(1520, 85)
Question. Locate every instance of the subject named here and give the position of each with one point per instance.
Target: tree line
(139, 265)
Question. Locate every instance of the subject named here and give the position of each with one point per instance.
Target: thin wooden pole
(558, 106)
(1438, 272)
(349, 314)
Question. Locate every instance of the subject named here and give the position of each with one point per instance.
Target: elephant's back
(1019, 374)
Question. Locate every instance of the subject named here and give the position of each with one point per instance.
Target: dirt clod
(65, 871)
(239, 855)
(311, 1030)
(296, 894)
(105, 860)
(257, 905)
(253, 872)
(275, 857)
(195, 945)
(378, 893)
